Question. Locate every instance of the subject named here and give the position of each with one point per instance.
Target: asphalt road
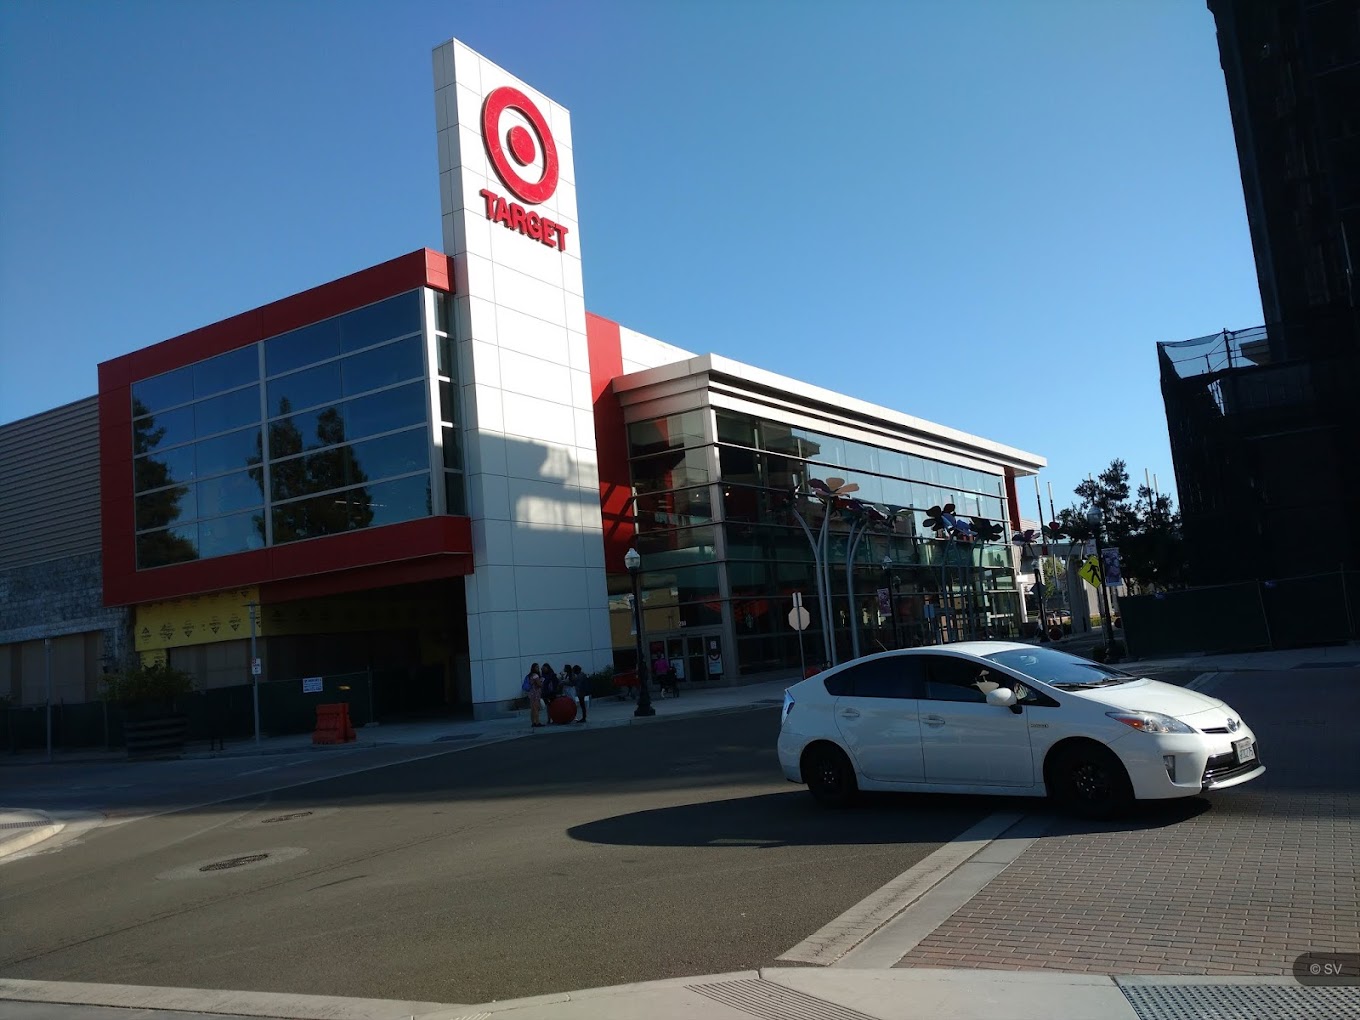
(512, 869)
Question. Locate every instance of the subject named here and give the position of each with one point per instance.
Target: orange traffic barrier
(333, 725)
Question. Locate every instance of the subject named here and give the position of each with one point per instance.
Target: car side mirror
(1002, 697)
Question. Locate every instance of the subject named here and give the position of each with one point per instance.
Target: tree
(1147, 529)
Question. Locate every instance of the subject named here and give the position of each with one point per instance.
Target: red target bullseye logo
(520, 143)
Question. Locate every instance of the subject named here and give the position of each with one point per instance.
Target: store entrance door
(697, 657)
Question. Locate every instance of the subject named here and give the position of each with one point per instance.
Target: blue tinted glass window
(455, 498)
(391, 502)
(319, 385)
(229, 411)
(226, 371)
(453, 453)
(392, 455)
(164, 468)
(343, 466)
(310, 430)
(383, 366)
(448, 401)
(385, 411)
(168, 428)
(442, 319)
(375, 323)
(226, 453)
(162, 391)
(234, 534)
(302, 347)
(228, 493)
(165, 506)
(311, 518)
(174, 545)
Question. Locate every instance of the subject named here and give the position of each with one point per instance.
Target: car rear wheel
(1090, 781)
(829, 775)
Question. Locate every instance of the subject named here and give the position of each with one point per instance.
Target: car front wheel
(1090, 781)
(829, 775)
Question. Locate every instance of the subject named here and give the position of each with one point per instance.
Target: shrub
(156, 682)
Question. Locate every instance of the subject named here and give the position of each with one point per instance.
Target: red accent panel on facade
(1012, 499)
(448, 538)
(611, 440)
(423, 268)
(382, 575)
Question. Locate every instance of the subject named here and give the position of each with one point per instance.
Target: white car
(996, 717)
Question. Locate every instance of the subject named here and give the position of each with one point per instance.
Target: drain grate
(286, 818)
(1241, 1002)
(771, 1001)
(24, 825)
(234, 862)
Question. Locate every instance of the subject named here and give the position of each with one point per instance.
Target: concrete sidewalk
(1327, 656)
(604, 713)
(771, 993)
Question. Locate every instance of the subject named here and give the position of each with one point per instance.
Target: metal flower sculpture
(832, 494)
(940, 518)
(1054, 532)
(1025, 540)
(985, 531)
(833, 490)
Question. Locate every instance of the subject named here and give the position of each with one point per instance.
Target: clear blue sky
(981, 213)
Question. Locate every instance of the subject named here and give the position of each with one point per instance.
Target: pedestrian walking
(582, 685)
(552, 687)
(533, 686)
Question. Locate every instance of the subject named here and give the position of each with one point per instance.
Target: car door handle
(934, 721)
(849, 713)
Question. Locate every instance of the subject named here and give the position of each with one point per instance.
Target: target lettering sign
(511, 148)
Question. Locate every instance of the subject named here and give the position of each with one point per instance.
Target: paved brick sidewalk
(1239, 884)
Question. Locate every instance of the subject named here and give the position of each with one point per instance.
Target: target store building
(431, 470)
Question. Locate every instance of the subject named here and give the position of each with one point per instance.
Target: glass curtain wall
(314, 432)
(937, 590)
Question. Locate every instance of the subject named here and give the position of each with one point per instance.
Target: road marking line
(835, 939)
(936, 905)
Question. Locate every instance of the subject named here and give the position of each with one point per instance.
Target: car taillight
(788, 706)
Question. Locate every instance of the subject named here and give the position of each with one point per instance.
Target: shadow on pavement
(793, 819)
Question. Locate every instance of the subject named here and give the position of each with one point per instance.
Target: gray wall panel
(49, 485)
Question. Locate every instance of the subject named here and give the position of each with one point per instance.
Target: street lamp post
(633, 561)
(254, 677)
(1095, 519)
(892, 598)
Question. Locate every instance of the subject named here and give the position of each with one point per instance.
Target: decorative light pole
(1096, 520)
(888, 580)
(633, 561)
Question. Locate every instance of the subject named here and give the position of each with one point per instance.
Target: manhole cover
(234, 862)
(208, 870)
(287, 817)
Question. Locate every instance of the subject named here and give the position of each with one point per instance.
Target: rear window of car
(894, 676)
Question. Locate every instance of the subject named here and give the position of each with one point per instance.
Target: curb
(31, 837)
(508, 733)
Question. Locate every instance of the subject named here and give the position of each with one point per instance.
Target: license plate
(1245, 750)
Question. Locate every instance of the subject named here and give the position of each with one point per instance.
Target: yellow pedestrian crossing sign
(1090, 571)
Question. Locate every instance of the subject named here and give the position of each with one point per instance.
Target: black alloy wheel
(829, 775)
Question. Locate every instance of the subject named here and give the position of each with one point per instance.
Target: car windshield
(1059, 669)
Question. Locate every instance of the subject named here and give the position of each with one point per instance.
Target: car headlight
(1151, 722)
